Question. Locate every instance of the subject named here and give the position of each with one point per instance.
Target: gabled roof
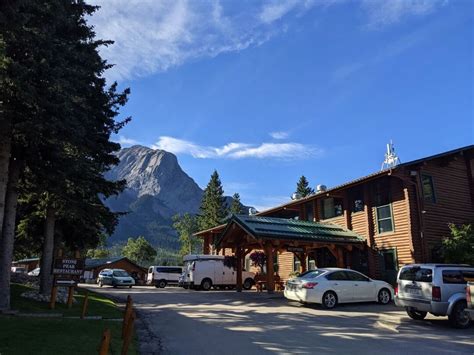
(291, 230)
(94, 263)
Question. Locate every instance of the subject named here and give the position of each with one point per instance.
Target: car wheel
(329, 300)
(162, 283)
(417, 315)
(206, 284)
(248, 283)
(458, 317)
(384, 296)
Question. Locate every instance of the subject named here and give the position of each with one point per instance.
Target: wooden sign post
(66, 271)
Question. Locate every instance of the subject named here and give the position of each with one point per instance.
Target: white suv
(438, 289)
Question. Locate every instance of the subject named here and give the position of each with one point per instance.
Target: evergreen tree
(58, 116)
(139, 251)
(302, 187)
(212, 209)
(236, 206)
(186, 226)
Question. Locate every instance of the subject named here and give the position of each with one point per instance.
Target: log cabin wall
(452, 201)
(285, 264)
(400, 238)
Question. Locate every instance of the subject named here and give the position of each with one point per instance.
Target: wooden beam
(270, 268)
(340, 257)
(347, 212)
(239, 268)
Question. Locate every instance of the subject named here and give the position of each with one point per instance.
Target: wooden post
(105, 343)
(347, 212)
(206, 247)
(54, 293)
(270, 269)
(84, 305)
(54, 289)
(128, 334)
(303, 265)
(370, 233)
(70, 296)
(239, 268)
(340, 257)
(127, 314)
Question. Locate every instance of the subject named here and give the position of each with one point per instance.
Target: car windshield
(311, 274)
(121, 273)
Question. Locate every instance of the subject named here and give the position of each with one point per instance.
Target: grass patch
(57, 336)
(98, 304)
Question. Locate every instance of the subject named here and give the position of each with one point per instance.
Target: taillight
(436, 293)
(396, 290)
(309, 285)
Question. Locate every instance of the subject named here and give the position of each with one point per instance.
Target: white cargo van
(160, 276)
(206, 271)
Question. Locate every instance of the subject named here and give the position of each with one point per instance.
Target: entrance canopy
(245, 233)
(252, 231)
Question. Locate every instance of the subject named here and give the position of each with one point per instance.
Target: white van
(206, 271)
(160, 276)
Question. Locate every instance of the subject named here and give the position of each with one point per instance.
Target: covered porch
(242, 234)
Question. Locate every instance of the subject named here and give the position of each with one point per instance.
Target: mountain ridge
(157, 189)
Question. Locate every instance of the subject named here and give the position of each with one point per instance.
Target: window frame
(431, 199)
(383, 219)
(334, 199)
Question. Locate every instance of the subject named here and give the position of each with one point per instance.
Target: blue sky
(265, 92)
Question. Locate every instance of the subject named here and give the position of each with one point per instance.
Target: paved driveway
(178, 321)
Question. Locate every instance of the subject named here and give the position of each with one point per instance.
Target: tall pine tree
(212, 209)
(236, 206)
(302, 187)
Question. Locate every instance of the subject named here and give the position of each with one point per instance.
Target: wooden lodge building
(373, 224)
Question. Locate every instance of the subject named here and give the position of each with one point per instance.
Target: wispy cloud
(387, 52)
(124, 141)
(152, 36)
(279, 135)
(237, 150)
(383, 12)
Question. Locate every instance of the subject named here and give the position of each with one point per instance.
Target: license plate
(413, 291)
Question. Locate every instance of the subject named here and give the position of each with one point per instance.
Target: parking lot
(178, 321)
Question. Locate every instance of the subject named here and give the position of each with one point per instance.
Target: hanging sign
(295, 249)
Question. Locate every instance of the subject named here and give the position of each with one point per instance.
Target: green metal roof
(292, 229)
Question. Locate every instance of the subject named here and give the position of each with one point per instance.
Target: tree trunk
(46, 279)
(8, 232)
(5, 149)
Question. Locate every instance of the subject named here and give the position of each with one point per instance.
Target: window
(296, 264)
(331, 207)
(338, 275)
(309, 211)
(357, 200)
(417, 274)
(355, 276)
(428, 188)
(384, 218)
(457, 276)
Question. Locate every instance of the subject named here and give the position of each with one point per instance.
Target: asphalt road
(178, 321)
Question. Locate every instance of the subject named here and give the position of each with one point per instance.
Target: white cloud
(152, 36)
(279, 135)
(127, 141)
(382, 13)
(237, 150)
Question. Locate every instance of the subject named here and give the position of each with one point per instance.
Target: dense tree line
(56, 118)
